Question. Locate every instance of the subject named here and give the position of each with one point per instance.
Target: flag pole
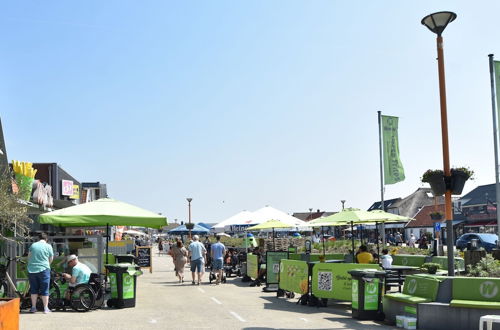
(495, 140)
(382, 204)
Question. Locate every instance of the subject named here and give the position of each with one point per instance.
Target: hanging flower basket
(436, 216)
(436, 180)
(189, 226)
(458, 178)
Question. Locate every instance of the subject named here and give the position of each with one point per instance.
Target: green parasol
(103, 212)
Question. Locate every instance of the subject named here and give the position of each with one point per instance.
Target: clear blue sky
(242, 104)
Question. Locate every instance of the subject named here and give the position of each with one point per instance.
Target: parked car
(486, 241)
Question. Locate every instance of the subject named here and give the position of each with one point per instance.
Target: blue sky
(243, 104)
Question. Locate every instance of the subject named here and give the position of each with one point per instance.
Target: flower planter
(438, 184)
(436, 216)
(9, 313)
(458, 179)
(189, 226)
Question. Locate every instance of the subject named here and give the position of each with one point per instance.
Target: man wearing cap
(80, 273)
(197, 253)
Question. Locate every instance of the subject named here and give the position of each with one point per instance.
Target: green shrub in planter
(431, 267)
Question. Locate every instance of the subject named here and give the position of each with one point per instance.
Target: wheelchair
(84, 297)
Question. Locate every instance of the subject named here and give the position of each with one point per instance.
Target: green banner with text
(496, 64)
(393, 168)
(294, 276)
(252, 266)
(342, 281)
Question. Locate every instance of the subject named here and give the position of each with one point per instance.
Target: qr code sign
(325, 281)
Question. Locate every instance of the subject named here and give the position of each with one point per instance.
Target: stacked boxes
(406, 322)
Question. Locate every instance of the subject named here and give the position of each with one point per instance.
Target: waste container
(367, 288)
(125, 258)
(123, 281)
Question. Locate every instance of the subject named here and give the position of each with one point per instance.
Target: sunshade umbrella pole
(107, 241)
(376, 237)
(274, 247)
(323, 239)
(352, 239)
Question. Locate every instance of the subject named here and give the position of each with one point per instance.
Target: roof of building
(480, 195)
(308, 216)
(387, 204)
(423, 216)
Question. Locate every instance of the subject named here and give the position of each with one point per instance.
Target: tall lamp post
(437, 22)
(189, 199)
(343, 202)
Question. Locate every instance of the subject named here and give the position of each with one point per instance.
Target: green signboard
(252, 266)
(294, 276)
(273, 259)
(355, 294)
(342, 281)
(128, 286)
(371, 295)
(114, 285)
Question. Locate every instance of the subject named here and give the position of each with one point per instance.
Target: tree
(13, 214)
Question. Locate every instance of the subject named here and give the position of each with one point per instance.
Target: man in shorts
(218, 250)
(80, 273)
(197, 252)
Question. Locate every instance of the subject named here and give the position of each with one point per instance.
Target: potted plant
(436, 180)
(430, 267)
(459, 176)
(189, 226)
(436, 216)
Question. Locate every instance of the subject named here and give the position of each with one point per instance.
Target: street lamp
(343, 202)
(310, 213)
(189, 208)
(437, 22)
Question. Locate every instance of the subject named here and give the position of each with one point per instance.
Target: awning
(455, 222)
(481, 223)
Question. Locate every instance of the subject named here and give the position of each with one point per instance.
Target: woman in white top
(386, 259)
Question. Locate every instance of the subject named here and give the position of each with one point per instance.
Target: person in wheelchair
(80, 274)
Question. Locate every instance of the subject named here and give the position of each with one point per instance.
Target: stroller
(232, 264)
(213, 275)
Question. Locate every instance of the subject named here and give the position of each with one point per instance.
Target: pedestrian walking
(198, 253)
(179, 254)
(412, 240)
(399, 239)
(217, 253)
(40, 257)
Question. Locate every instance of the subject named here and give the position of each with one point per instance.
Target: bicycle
(6, 283)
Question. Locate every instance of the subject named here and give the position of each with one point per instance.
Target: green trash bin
(123, 281)
(125, 258)
(367, 289)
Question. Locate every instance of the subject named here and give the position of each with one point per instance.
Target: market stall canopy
(270, 213)
(103, 212)
(182, 230)
(243, 217)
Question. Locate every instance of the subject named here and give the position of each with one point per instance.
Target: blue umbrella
(182, 230)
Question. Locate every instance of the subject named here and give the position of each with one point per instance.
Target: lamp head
(189, 199)
(437, 22)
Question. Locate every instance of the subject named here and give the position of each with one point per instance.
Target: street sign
(437, 226)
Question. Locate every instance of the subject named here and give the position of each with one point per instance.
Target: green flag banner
(496, 65)
(393, 168)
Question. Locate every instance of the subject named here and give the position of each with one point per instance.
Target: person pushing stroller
(217, 252)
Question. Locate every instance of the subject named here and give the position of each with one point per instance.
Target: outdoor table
(399, 269)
